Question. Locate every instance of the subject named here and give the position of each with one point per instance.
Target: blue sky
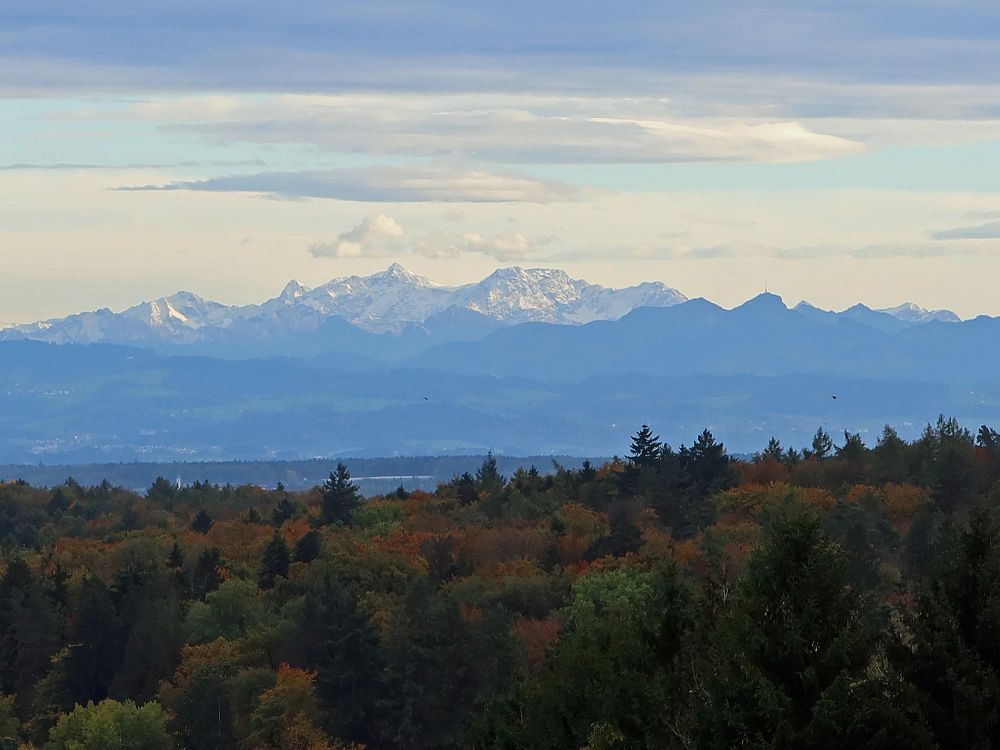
(838, 152)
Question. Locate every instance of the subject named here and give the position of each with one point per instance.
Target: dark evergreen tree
(773, 451)
(950, 647)
(57, 586)
(29, 632)
(822, 444)
(207, 573)
(343, 648)
(465, 486)
(202, 522)
(340, 497)
(433, 671)
(275, 562)
(797, 655)
(95, 645)
(308, 548)
(646, 447)
(488, 478)
(175, 560)
(162, 493)
(283, 511)
(889, 461)
(624, 536)
(59, 503)
(708, 470)
(153, 620)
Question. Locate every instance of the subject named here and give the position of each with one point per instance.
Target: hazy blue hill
(874, 318)
(761, 337)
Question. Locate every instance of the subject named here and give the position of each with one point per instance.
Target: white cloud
(504, 247)
(375, 237)
(381, 236)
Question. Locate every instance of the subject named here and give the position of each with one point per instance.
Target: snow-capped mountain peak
(912, 313)
(182, 309)
(396, 273)
(293, 290)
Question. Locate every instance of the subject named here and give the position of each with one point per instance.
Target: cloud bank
(512, 129)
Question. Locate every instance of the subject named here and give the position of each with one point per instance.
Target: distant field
(373, 475)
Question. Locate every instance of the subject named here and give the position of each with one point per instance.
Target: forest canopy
(841, 595)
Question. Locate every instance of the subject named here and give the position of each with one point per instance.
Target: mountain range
(403, 313)
(524, 362)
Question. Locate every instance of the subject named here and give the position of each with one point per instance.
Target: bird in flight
(834, 398)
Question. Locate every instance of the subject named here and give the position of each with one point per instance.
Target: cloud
(386, 184)
(988, 231)
(376, 236)
(737, 250)
(381, 236)
(506, 246)
(512, 129)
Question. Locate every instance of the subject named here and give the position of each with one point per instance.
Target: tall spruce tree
(646, 447)
(340, 497)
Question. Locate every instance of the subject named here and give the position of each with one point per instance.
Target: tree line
(840, 595)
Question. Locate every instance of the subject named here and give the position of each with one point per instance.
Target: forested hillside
(841, 596)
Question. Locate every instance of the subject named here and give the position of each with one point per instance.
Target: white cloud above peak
(381, 236)
(375, 237)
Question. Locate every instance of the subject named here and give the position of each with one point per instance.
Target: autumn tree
(110, 725)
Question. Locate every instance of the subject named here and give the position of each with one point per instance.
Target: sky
(835, 152)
